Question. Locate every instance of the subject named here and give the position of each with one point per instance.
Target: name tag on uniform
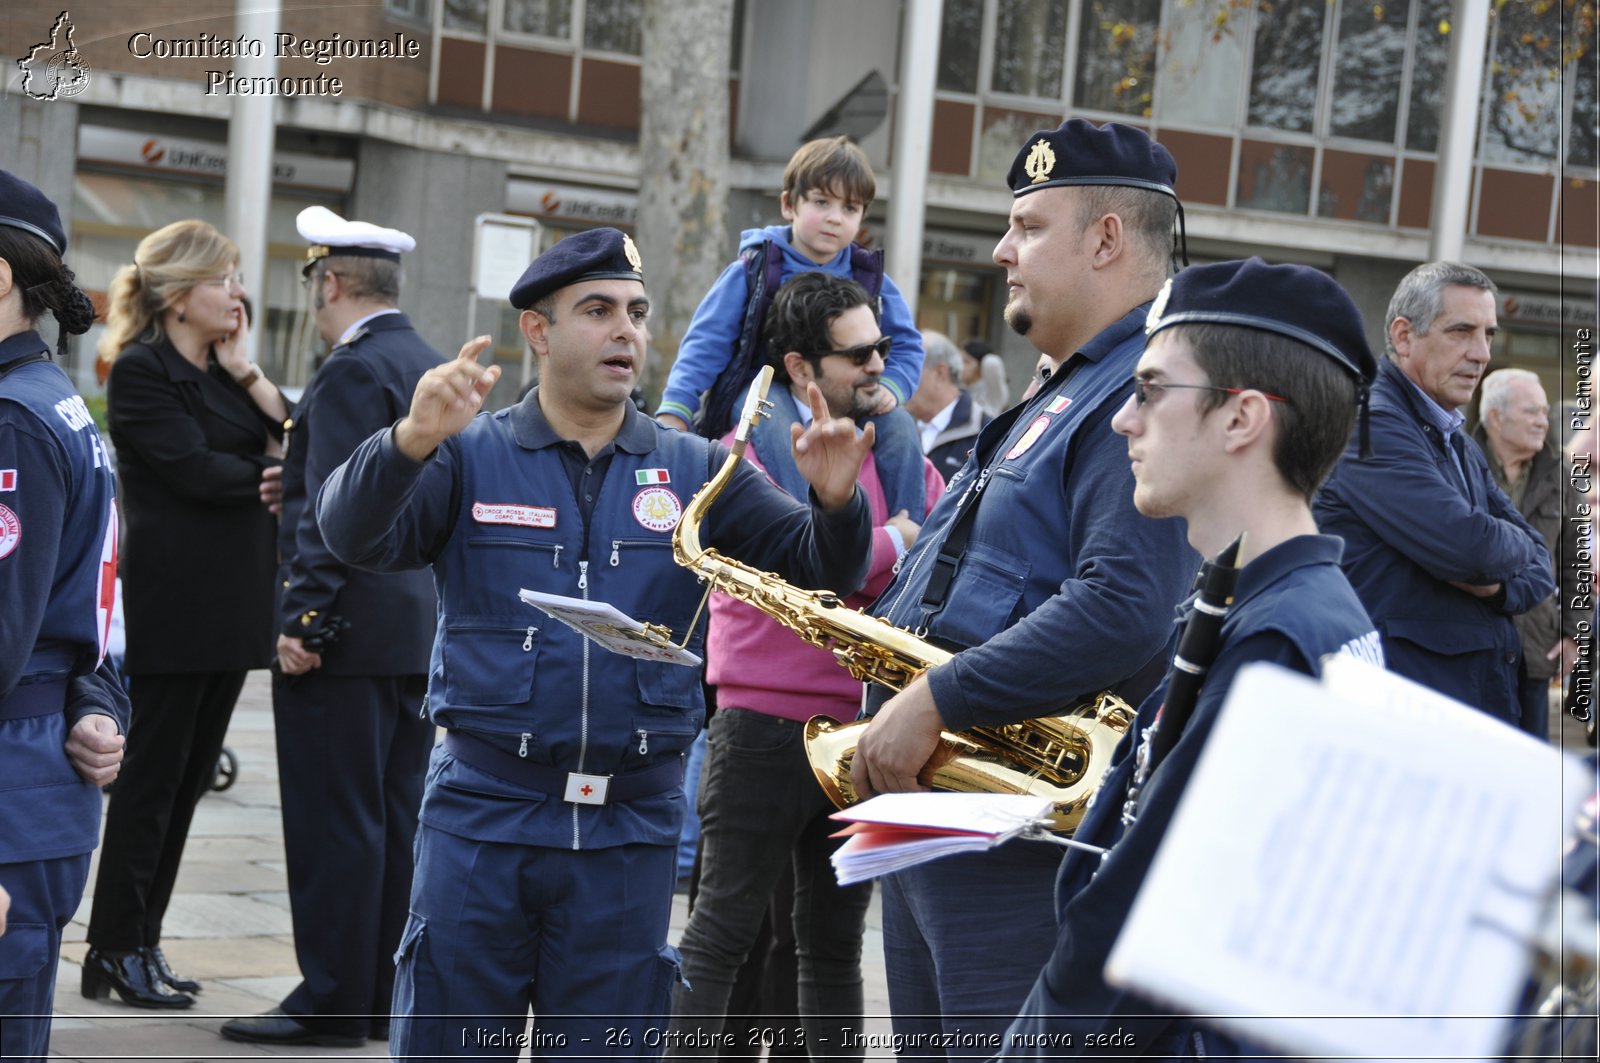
(524, 516)
(587, 789)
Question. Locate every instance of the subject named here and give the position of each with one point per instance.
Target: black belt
(577, 787)
(34, 699)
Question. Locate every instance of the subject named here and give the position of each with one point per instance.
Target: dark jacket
(951, 446)
(198, 552)
(365, 385)
(1411, 530)
(1547, 501)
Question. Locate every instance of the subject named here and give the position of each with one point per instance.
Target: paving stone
(222, 915)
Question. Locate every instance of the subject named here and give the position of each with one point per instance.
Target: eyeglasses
(1145, 390)
(234, 279)
(863, 354)
(311, 277)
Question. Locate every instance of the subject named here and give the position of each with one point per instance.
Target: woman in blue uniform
(195, 424)
(62, 712)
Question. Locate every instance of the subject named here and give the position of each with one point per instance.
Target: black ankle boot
(134, 978)
(158, 960)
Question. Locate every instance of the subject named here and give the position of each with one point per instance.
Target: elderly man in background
(1438, 554)
(1514, 432)
(946, 414)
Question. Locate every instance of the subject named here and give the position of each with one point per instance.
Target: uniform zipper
(583, 701)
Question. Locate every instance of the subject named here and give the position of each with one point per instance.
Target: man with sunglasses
(352, 661)
(1243, 399)
(761, 811)
(1035, 568)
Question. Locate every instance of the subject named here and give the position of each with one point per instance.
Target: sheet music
(610, 627)
(1353, 875)
(891, 832)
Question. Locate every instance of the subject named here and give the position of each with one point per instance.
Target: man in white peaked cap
(352, 661)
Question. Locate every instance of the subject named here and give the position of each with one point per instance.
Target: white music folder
(1356, 868)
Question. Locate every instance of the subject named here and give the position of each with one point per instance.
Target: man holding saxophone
(545, 854)
(1035, 567)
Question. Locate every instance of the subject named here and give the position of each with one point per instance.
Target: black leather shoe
(275, 1028)
(158, 960)
(134, 978)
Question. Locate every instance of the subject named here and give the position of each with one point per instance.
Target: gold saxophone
(1060, 757)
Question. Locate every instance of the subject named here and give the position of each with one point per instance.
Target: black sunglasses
(863, 354)
(1144, 390)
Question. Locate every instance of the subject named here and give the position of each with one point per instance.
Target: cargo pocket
(983, 596)
(488, 660)
(1467, 651)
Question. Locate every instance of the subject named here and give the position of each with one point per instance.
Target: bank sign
(169, 154)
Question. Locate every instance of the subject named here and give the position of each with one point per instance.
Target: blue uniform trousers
(944, 974)
(580, 935)
(352, 753)
(44, 895)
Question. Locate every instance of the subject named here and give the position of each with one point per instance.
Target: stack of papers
(1357, 868)
(896, 831)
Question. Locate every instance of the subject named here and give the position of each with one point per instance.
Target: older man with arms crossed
(1439, 555)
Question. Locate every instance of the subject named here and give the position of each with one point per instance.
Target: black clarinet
(1197, 648)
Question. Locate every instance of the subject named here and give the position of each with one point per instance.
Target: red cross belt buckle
(587, 789)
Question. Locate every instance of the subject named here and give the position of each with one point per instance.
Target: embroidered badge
(651, 476)
(1029, 438)
(1061, 403)
(522, 516)
(657, 509)
(10, 531)
(1152, 320)
(8, 479)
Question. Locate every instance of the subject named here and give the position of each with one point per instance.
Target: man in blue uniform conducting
(1035, 567)
(545, 857)
(63, 713)
(1242, 402)
(352, 662)
(1441, 558)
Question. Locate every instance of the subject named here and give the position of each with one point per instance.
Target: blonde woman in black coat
(195, 424)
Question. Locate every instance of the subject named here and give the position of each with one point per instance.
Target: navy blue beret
(592, 255)
(1079, 152)
(23, 206)
(1302, 303)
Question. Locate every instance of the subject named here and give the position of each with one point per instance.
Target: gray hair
(373, 279)
(941, 349)
(1496, 393)
(1420, 296)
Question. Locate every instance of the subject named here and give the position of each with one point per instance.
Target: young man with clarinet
(1243, 401)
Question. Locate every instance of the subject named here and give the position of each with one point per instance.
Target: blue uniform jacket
(1064, 588)
(1292, 606)
(364, 386)
(58, 563)
(493, 511)
(1410, 528)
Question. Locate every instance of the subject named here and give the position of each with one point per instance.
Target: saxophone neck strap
(954, 544)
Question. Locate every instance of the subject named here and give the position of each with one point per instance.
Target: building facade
(1305, 131)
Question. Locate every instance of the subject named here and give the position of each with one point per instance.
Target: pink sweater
(758, 664)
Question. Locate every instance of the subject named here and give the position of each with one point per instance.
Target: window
(1585, 110)
(1523, 108)
(1117, 56)
(411, 10)
(1202, 65)
(1288, 57)
(1368, 62)
(543, 18)
(1430, 57)
(960, 38)
(1030, 47)
(613, 26)
(469, 16)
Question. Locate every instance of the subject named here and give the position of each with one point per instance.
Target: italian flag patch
(651, 476)
(1058, 405)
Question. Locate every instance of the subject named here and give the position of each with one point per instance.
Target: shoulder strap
(20, 362)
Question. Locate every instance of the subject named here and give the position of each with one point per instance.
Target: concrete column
(1458, 126)
(251, 130)
(913, 139)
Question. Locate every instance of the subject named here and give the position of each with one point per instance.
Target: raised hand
(447, 398)
(829, 453)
